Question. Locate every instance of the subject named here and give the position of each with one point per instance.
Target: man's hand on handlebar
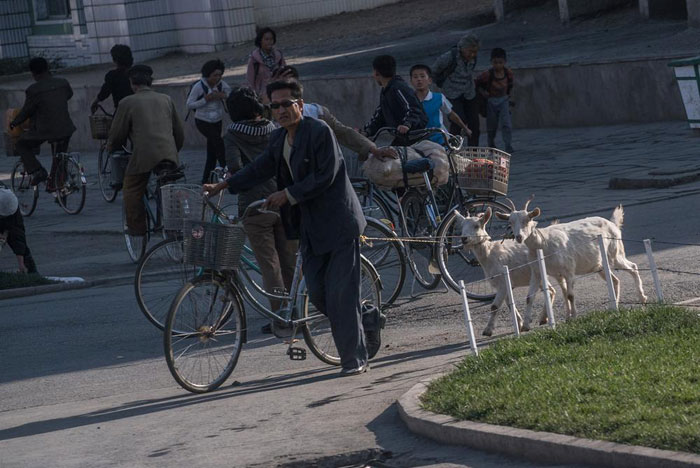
(275, 200)
(402, 129)
(213, 189)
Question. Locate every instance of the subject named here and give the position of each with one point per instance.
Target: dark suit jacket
(327, 212)
(46, 103)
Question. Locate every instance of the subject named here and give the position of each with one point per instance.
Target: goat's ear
(534, 213)
(484, 218)
(502, 216)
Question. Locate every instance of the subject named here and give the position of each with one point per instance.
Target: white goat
(571, 249)
(492, 256)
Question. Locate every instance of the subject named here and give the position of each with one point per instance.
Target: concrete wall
(659, 8)
(278, 12)
(559, 96)
(503, 7)
(693, 8)
(570, 9)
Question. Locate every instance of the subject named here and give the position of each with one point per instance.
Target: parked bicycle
(477, 177)
(206, 325)
(66, 182)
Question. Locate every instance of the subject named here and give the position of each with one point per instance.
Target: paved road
(84, 382)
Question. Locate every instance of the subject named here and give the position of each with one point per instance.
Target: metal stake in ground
(468, 319)
(608, 273)
(545, 288)
(511, 300)
(654, 272)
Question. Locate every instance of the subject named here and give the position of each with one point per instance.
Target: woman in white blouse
(207, 97)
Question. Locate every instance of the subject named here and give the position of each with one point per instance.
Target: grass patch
(21, 280)
(631, 377)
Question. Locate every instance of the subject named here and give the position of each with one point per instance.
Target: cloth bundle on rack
(389, 173)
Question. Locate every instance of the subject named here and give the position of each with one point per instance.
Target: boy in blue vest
(435, 105)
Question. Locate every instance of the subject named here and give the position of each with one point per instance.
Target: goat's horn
(512, 205)
(527, 203)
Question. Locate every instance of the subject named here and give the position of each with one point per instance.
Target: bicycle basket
(99, 126)
(482, 171)
(181, 202)
(213, 245)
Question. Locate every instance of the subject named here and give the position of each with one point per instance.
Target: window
(52, 9)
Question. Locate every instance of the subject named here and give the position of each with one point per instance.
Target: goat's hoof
(487, 332)
(524, 328)
(644, 299)
(543, 322)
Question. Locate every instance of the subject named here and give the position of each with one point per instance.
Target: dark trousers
(468, 111)
(13, 227)
(333, 281)
(215, 146)
(133, 191)
(28, 149)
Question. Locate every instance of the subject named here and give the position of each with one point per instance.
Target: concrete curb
(60, 287)
(543, 447)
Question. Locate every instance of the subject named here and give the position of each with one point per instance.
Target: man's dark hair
(121, 55)
(420, 66)
(289, 70)
(38, 65)
(294, 86)
(498, 53)
(141, 75)
(243, 104)
(385, 65)
(211, 66)
(261, 33)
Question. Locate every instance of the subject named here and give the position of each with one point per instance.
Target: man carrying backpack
(453, 72)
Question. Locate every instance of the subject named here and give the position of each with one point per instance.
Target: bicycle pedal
(296, 354)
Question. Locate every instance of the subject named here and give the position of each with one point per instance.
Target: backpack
(205, 90)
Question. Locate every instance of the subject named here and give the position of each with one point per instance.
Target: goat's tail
(618, 216)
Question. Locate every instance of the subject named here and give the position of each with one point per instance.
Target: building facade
(81, 32)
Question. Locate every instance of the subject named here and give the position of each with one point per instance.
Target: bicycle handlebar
(99, 106)
(454, 142)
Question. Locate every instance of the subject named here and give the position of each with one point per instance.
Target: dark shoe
(39, 176)
(344, 372)
(266, 329)
(281, 330)
(372, 322)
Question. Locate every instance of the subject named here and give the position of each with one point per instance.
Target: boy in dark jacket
(496, 85)
(398, 105)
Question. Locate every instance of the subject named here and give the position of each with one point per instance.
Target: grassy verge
(631, 377)
(20, 280)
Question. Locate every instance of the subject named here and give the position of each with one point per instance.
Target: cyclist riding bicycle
(116, 81)
(46, 104)
(150, 121)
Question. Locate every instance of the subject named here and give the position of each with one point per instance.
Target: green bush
(631, 377)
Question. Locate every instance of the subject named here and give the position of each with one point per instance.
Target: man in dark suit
(319, 207)
(46, 103)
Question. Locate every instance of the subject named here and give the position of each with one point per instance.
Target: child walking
(496, 85)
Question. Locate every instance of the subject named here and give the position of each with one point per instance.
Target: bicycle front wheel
(160, 275)
(317, 329)
(70, 186)
(455, 262)
(27, 194)
(386, 253)
(204, 334)
(104, 175)
(135, 245)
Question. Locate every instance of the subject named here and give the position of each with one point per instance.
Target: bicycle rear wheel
(135, 245)
(317, 330)
(104, 175)
(387, 255)
(160, 275)
(420, 251)
(455, 262)
(27, 194)
(204, 333)
(70, 185)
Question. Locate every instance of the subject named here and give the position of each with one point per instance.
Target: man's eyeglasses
(286, 103)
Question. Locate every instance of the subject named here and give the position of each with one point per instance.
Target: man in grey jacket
(318, 207)
(454, 72)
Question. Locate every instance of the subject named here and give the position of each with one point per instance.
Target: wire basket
(482, 171)
(212, 245)
(99, 126)
(181, 202)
